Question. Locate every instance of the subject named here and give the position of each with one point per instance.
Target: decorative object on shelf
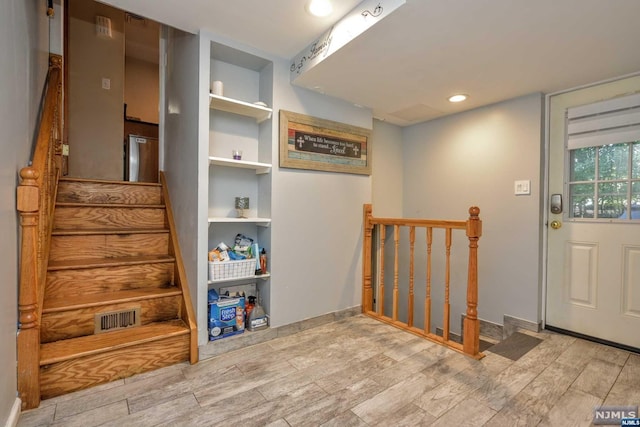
(237, 154)
(242, 206)
(217, 88)
(317, 144)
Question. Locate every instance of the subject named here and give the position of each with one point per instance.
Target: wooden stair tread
(106, 181)
(95, 300)
(59, 351)
(92, 231)
(107, 205)
(108, 262)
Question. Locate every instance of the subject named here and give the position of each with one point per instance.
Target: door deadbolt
(556, 203)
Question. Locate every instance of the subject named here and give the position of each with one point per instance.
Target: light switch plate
(522, 187)
(106, 83)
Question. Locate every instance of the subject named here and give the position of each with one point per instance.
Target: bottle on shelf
(258, 318)
(263, 261)
(249, 307)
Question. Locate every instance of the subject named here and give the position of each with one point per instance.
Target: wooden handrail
(186, 313)
(35, 201)
(473, 229)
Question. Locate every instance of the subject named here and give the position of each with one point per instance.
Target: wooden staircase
(114, 304)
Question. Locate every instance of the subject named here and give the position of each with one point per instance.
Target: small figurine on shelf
(242, 206)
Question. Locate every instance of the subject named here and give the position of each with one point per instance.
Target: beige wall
(96, 122)
(141, 89)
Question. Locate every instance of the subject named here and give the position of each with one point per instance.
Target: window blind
(612, 121)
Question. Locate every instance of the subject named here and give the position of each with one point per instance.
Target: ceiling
(407, 65)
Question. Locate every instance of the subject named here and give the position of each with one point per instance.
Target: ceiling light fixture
(458, 98)
(319, 8)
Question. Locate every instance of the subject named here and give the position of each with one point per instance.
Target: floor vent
(114, 320)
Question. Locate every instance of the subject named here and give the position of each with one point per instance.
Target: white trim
(620, 103)
(545, 240)
(14, 415)
(545, 214)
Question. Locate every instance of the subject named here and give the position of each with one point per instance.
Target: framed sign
(324, 145)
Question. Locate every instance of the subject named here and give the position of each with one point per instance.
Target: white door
(593, 254)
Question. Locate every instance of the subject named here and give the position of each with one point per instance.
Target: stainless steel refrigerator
(141, 159)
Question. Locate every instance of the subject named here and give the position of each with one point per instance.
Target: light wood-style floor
(359, 372)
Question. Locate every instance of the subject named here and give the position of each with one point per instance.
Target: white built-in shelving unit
(240, 119)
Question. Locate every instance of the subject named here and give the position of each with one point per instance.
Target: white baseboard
(14, 415)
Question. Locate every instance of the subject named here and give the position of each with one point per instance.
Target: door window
(604, 182)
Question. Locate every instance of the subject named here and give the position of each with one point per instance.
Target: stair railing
(187, 313)
(35, 201)
(471, 328)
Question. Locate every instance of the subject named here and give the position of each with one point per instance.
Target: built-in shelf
(242, 108)
(260, 168)
(263, 222)
(241, 279)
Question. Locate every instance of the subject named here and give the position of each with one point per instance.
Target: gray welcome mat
(516, 346)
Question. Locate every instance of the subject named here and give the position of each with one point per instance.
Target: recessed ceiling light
(319, 8)
(458, 98)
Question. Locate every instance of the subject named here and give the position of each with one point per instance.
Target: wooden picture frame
(323, 145)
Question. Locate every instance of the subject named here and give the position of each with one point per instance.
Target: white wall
(387, 173)
(24, 39)
(473, 158)
(182, 152)
(317, 218)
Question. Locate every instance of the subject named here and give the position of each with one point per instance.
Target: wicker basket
(224, 270)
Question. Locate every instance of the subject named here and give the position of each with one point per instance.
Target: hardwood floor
(359, 372)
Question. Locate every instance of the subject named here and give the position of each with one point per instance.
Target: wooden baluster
(427, 300)
(471, 333)
(383, 236)
(28, 340)
(367, 294)
(396, 240)
(447, 279)
(412, 242)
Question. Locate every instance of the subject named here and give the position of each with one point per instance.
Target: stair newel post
(471, 343)
(28, 340)
(367, 292)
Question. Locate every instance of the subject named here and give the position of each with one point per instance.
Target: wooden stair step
(101, 191)
(60, 351)
(94, 245)
(109, 262)
(53, 305)
(65, 323)
(107, 181)
(108, 231)
(84, 215)
(100, 280)
(107, 205)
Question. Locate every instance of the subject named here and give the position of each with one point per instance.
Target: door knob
(555, 224)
